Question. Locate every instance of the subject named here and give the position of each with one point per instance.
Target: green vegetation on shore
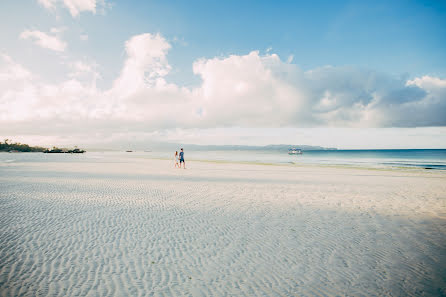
(20, 147)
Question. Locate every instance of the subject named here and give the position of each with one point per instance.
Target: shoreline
(369, 163)
(414, 169)
(317, 165)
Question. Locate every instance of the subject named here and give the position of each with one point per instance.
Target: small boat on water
(294, 151)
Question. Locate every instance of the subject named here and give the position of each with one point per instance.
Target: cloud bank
(253, 90)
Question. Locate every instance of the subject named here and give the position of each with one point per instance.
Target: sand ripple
(133, 230)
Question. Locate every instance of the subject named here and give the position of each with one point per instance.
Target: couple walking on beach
(181, 156)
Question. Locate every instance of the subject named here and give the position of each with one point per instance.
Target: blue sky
(395, 47)
(398, 37)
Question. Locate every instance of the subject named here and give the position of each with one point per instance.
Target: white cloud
(84, 72)
(75, 7)
(48, 4)
(255, 90)
(11, 71)
(81, 67)
(45, 40)
(240, 91)
(146, 64)
(83, 37)
(428, 82)
(25, 99)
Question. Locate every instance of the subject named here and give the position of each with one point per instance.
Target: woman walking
(176, 160)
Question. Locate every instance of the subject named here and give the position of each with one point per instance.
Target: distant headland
(270, 147)
(18, 147)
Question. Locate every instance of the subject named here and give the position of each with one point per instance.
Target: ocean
(428, 159)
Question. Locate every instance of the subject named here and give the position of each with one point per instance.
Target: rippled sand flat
(138, 227)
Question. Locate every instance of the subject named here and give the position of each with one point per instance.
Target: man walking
(182, 159)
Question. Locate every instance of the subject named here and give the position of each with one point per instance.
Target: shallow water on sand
(409, 159)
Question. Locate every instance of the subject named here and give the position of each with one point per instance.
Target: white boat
(294, 151)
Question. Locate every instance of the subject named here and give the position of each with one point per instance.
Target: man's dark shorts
(181, 161)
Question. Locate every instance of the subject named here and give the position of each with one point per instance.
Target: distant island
(171, 146)
(21, 147)
(56, 150)
(271, 147)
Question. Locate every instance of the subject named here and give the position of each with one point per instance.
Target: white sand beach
(139, 227)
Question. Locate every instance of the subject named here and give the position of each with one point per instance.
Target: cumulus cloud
(256, 90)
(25, 100)
(75, 7)
(251, 90)
(45, 40)
(146, 64)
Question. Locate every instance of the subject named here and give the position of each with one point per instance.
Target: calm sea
(425, 159)
(428, 159)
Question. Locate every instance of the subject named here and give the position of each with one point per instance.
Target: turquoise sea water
(424, 159)
(427, 159)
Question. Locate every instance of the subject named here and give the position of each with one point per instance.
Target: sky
(345, 74)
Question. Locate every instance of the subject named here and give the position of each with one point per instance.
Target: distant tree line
(8, 146)
(20, 147)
